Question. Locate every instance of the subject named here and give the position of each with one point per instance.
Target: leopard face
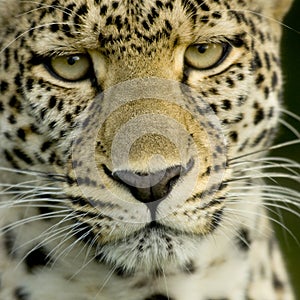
(138, 112)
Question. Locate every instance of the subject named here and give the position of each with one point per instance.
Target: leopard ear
(275, 8)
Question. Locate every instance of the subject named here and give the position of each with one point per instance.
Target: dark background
(291, 68)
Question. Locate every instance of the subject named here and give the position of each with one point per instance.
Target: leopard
(134, 150)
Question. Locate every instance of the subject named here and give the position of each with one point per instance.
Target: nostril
(153, 186)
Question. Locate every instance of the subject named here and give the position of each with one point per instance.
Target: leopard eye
(207, 55)
(71, 68)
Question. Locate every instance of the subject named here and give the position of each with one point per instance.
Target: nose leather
(149, 187)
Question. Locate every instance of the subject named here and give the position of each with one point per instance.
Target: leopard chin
(151, 250)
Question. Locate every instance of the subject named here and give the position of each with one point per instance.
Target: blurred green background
(291, 67)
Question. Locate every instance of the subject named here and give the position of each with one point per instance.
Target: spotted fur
(183, 213)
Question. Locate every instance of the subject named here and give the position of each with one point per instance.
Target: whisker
(275, 147)
(291, 114)
(290, 127)
(245, 212)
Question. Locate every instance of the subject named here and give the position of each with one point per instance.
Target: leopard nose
(149, 187)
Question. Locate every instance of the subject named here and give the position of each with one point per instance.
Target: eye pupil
(202, 48)
(72, 60)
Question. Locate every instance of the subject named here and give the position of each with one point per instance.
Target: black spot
(259, 138)
(214, 91)
(9, 157)
(159, 297)
(216, 219)
(21, 294)
(83, 10)
(52, 125)
(60, 105)
(233, 136)
(121, 272)
(67, 30)
(219, 149)
(204, 19)
(242, 100)
(190, 8)
(226, 104)
(3, 86)
(37, 258)
(266, 92)
(168, 25)
(54, 28)
(9, 242)
(203, 5)
(259, 116)
(52, 102)
(115, 5)
(109, 21)
(243, 239)
(244, 145)
(17, 80)
(67, 11)
(274, 80)
(15, 103)
(271, 112)
(214, 107)
(240, 77)
(169, 5)
(21, 134)
(230, 82)
(159, 4)
(53, 6)
(29, 84)
(257, 63)
(268, 62)
(145, 25)
(68, 118)
(190, 268)
(103, 10)
(45, 146)
(118, 23)
(277, 283)
(217, 15)
(12, 119)
(259, 79)
(23, 156)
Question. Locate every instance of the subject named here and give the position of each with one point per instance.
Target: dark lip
(159, 229)
(155, 226)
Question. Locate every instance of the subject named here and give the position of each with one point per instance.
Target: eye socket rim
(87, 75)
(226, 50)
